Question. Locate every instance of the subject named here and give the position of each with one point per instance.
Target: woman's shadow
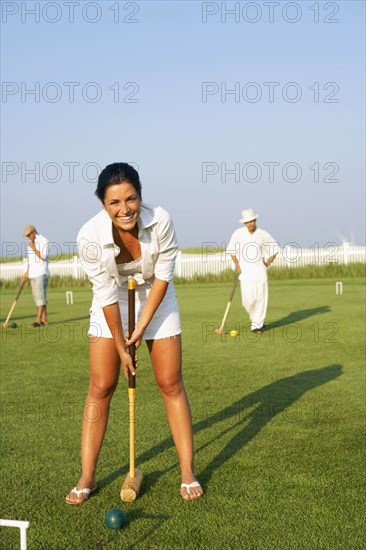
(270, 401)
(245, 424)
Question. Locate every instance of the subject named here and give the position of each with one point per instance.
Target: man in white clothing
(252, 251)
(37, 272)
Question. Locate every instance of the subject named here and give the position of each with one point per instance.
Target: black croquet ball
(13, 325)
(115, 518)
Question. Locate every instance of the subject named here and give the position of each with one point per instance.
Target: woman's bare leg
(104, 374)
(166, 358)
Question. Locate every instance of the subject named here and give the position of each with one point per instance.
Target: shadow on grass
(157, 519)
(297, 316)
(23, 323)
(27, 318)
(83, 318)
(271, 400)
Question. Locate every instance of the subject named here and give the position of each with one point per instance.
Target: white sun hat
(248, 216)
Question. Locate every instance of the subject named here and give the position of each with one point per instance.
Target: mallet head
(131, 487)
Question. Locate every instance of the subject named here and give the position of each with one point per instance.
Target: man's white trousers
(254, 297)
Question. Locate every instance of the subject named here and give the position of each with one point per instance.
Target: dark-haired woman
(129, 237)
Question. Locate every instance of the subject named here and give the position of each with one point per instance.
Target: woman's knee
(101, 389)
(104, 368)
(170, 387)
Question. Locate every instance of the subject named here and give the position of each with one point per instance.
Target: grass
(331, 271)
(278, 421)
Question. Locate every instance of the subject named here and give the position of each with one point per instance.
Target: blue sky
(296, 157)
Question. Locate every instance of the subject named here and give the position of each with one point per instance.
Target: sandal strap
(79, 492)
(190, 485)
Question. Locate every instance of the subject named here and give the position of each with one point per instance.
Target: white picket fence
(63, 268)
(188, 265)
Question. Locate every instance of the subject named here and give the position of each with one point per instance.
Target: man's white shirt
(250, 251)
(38, 266)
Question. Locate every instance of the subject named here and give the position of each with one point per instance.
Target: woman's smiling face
(123, 205)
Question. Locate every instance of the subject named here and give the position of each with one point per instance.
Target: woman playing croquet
(129, 237)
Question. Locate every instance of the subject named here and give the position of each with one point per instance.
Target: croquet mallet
(6, 322)
(221, 330)
(131, 486)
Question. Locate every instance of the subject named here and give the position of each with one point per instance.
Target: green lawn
(279, 422)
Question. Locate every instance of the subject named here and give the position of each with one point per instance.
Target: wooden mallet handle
(132, 378)
(5, 324)
(131, 327)
(221, 329)
(131, 486)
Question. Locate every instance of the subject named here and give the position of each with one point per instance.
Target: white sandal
(189, 486)
(79, 492)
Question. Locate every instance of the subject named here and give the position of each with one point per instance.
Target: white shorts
(165, 323)
(39, 289)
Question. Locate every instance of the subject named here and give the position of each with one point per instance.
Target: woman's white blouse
(97, 250)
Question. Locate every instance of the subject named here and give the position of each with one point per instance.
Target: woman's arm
(163, 271)
(106, 292)
(112, 316)
(153, 301)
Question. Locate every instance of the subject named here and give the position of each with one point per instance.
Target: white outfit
(251, 250)
(38, 266)
(159, 249)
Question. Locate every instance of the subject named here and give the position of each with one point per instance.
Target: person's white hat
(248, 216)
